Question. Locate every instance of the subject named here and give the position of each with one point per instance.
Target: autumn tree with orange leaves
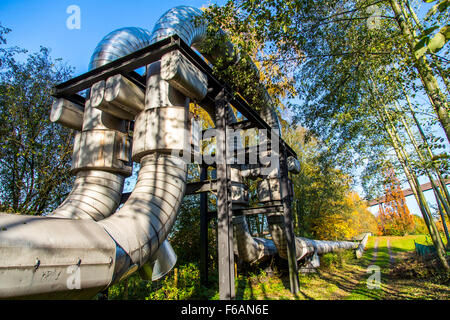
(394, 217)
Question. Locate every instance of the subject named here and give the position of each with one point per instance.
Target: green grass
(340, 277)
(394, 287)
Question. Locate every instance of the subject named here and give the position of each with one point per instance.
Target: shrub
(179, 284)
(336, 259)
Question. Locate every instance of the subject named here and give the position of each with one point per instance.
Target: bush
(181, 283)
(414, 268)
(336, 259)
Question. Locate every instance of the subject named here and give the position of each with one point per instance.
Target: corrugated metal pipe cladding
(86, 244)
(182, 21)
(142, 225)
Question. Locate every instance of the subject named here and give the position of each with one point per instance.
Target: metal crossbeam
(219, 94)
(127, 64)
(201, 186)
(124, 65)
(258, 210)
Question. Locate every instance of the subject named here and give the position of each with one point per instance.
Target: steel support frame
(288, 223)
(204, 219)
(221, 94)
(225, 248)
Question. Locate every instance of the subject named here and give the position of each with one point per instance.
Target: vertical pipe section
(100, 174)
(146, 219)
(99, 181)
(144, 222)
(181, 21)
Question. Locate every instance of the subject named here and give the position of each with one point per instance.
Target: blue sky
(36, 23)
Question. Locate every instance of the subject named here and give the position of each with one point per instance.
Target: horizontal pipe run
(67, 114)
(98, 101)
(183, 75)
(64, 259)
(124, 94)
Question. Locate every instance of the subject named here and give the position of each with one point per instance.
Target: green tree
(352, 57)
(35, 154)
(424, 70)
(324, 206)
(419, 225)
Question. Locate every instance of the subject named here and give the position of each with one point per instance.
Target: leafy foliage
(180, 284)
(353, 60)
(35, 153)
(428, 41)
(394, 218)
(324, 205)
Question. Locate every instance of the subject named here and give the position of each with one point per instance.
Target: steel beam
(127, 64)
(258, 210)
(224, 213)
(204, 230)
(124, 65)
(201, 186)
(217, 90)
(289, 227)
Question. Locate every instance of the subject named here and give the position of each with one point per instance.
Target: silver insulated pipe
(99, 181)
(87, 245)
(182, 21)
(50, 257)
(116, 44)
(119, 43)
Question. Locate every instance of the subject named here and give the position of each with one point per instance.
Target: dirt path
(350, 280)
(391, 256)
(375, 252)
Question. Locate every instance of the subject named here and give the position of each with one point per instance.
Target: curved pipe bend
(95, 195)
(181, 21)
(117, 245)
